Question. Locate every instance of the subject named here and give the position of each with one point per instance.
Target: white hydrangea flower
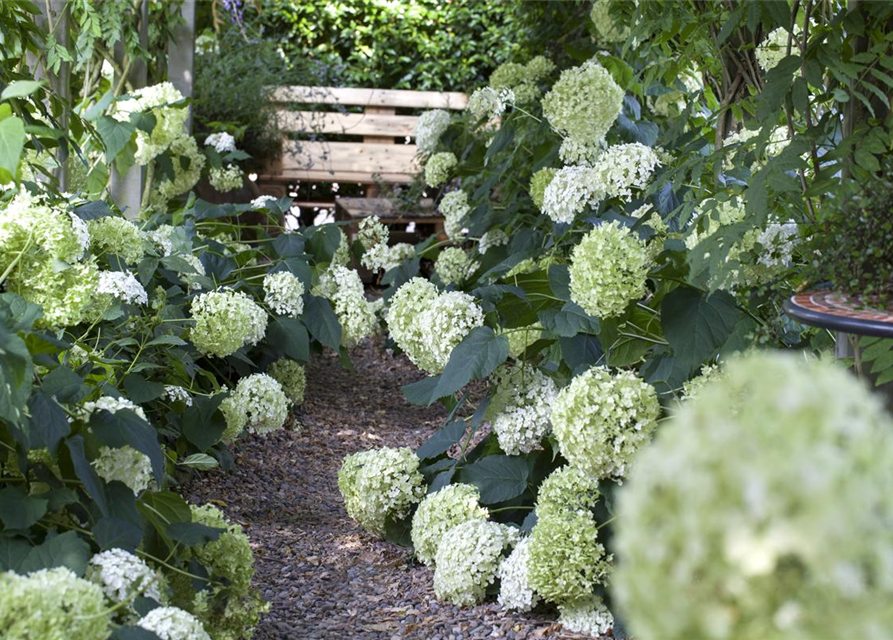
(468, 559)
(774, 48)
(399, 253)
(454, 266)
(343, 287)
(122, 576)
(492, 238)
(258, 403)
(624, 167)
(176, 393)
(226, 179)
(162, 237)
(605, 25)
(81, 232)
(601, 420)
(514, 582)
(589, 616)
(584, 103)
(570, 191)
(112, 405)
(374, 236)
(762, 509)
(225, 321)
(223, 142)
(123, 286)
(439, 512)
(427, 325)
(126, 465)
(439, 168)
(291, 376)
(488, 103)
(778, 242)
(260, 202)
(284, 293)
(454, 207)
(379, 484)
(521, 407)
(170, 122)
(580, 152)
(429, 127)
(171, 623)
(608, 270)
(692, 388)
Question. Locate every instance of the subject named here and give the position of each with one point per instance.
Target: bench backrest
(382, 153)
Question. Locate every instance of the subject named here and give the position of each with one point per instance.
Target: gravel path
(327, 579)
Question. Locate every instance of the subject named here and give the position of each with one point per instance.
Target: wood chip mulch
(325, 578)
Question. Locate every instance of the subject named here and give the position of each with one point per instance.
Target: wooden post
(181, 56)
(54, 17)
(127, 189)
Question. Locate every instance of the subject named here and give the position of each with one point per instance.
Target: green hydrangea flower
(291, 376)
(258, 404)
(567, 489)
(225, 321)
(566, 560)
(602, 419)
(380, 484)
(538, 183)
(441, 511)
(454, 266)
(608, 29)
(52, 604)
(439, 168)
(118, 237)
(584, 102)
(608, 270)
(762, 510)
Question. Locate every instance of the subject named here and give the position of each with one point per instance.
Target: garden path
(327, 579)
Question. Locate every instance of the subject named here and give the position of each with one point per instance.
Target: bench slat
(289, 175)
(354, 124)
(371, 97)
(349, 157)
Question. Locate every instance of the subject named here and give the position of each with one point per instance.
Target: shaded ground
(325, 578)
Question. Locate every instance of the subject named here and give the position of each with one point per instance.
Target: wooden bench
(382, 156)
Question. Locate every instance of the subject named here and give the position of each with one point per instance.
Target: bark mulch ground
(325, 578)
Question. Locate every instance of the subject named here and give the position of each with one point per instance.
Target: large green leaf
(115, 135)
(193, 534)
(290, 336)
(322, 322)
(16, 370)
(697, 324)
(443, 439)
(18, 510)
(203, 424)
(499, 478)
(479, 353)
(85, 473)
(12, 142)
(12, 553)
(20, 89)
(141, 390)
(115, 533)
(49, 424)
(64, 550)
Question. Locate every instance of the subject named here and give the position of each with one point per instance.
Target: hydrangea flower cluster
(566, 560)
(428, 325)
(176, 393)
(284, 293)
(439, 168)
(492, 238)
(778, 242)
(580, 152)
(379, 484)
(399, 253)
(258, 403)
(225, 179)
(439, 512)
(588, 616)
(126, 465)
(623, 167)
(608, 270)
(188, 164)
(487, 103)
(170, 121)
(692, 388)
(762, 509)
(229, 556)
(122, 576)
(223, 142)
(570, 191)
(609, 31)
(112, 405)
(225, 321)
(515, 592)
(774, 48)
(538, 183)
(123, 286)
(356, 314)
(567, 489)
(171, 623)
(673, 102)
(601, 420)
(291, 376)
(584, 103)
(468, 559)
(51, 604)
(117, 236)
(429, 127)
(522, 79)
(454, 266)
(454, 207)
(716, 214)
(373, 235)
(263, 202)
(521, 406)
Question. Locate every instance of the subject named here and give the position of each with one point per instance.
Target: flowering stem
(520, 507)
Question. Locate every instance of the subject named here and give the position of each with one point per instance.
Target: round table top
(840, 312)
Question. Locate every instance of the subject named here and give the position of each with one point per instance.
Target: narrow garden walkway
(325, 578)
